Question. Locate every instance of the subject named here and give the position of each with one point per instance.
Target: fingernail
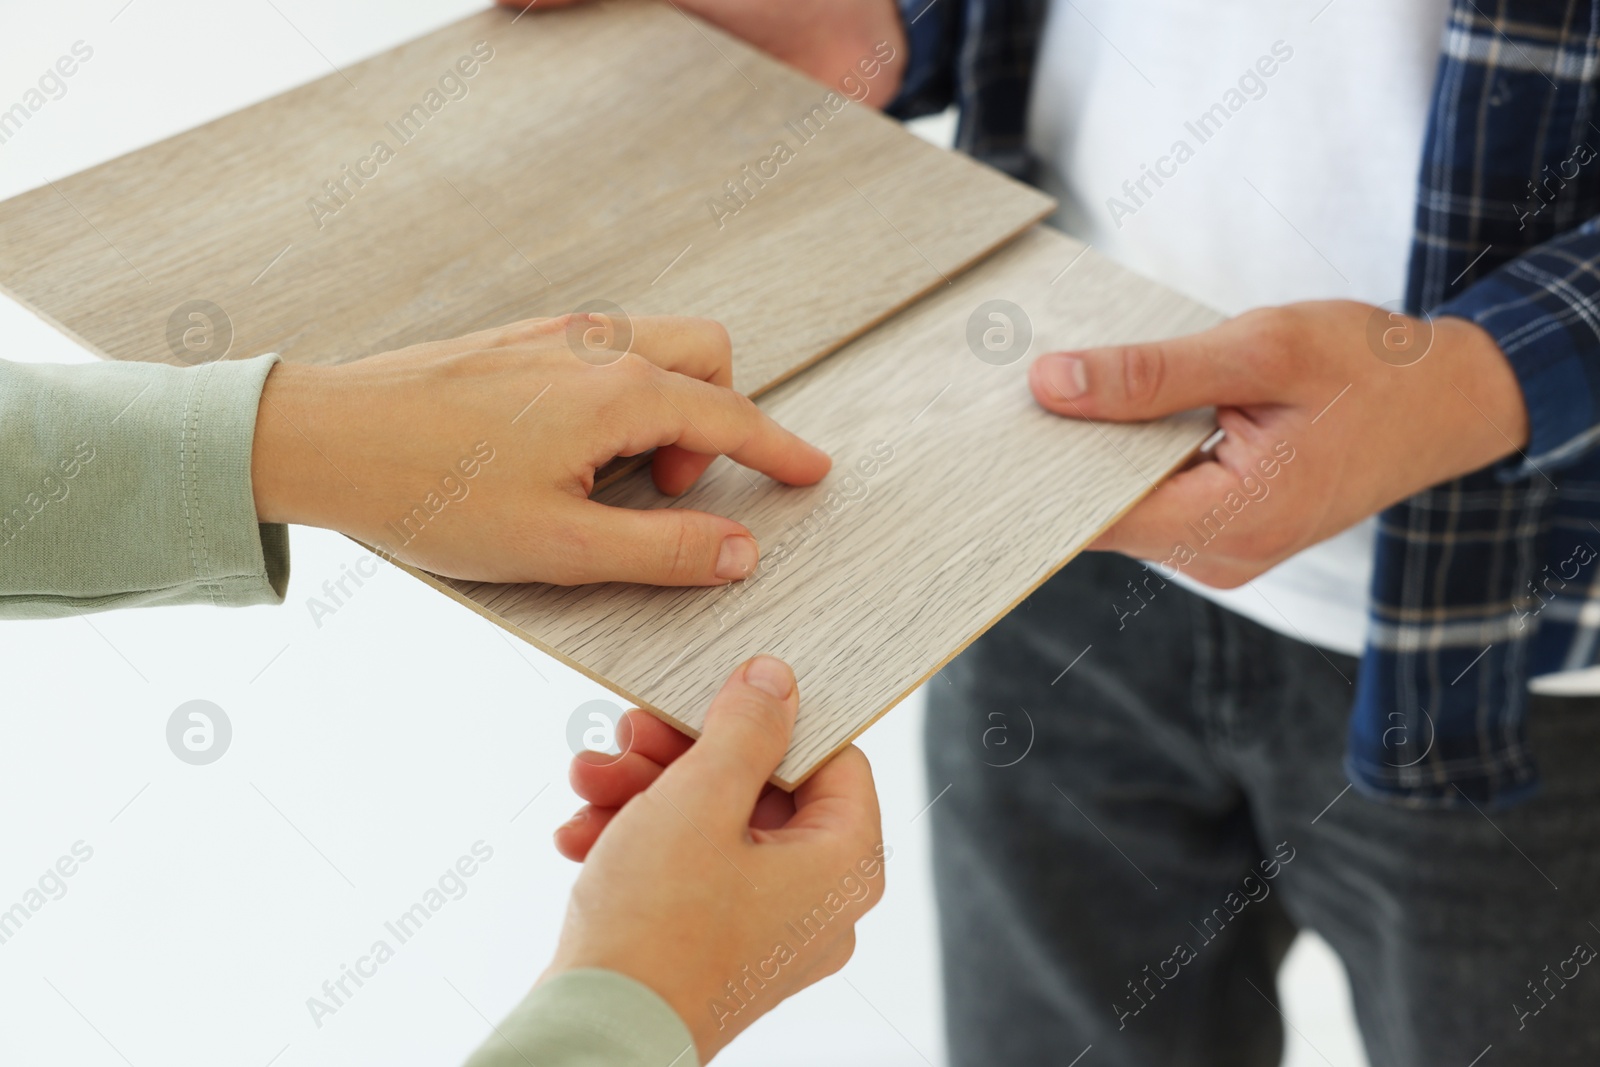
(576, 820)
(1066, 375)
(770, 675)
(737, 558)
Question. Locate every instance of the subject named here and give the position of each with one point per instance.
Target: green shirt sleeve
(590, 1018)
(128, 484)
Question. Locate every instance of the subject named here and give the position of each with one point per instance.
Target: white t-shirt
(1285, 138)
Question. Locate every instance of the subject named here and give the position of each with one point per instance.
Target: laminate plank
(953, 496)
(589, 157)
(578, 166)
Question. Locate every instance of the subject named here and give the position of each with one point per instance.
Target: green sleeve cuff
(590, 1018)
(128, 485)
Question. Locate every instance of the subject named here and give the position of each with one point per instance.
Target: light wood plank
(579, 165)
(953, 496)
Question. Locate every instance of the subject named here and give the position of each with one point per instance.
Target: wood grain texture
(952, 497)
(579, 163)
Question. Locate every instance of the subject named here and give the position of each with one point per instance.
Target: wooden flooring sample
(952, 497)
(622, 152)
(589, 156)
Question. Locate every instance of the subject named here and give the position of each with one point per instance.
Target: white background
(368, 753)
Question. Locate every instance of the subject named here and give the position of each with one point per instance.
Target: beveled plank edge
(1043, 209)
(632, 463)
(617, 470)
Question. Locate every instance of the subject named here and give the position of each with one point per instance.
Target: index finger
(712, 420)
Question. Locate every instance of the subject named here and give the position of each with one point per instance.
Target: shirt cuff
(138, 491)
(927, 84)
(1542, 318)
(590, 1018)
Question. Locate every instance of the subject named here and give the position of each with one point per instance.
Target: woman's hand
(719, 892)
(474, 457)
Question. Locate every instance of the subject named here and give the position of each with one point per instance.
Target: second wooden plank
(953, 496)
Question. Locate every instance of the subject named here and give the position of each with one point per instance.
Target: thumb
(1132, 382)
(746, 733)
(659, 546)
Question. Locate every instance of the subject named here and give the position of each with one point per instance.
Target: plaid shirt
(1484, 582)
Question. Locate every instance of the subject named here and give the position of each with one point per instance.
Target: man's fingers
(712, 420)
(1219, 521)
(659, 546)
(1133, 382)
(717, 783)
(1150, 530)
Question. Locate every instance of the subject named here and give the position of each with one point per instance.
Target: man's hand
(699, 874)
(1324, 426)
(474, 457)
(827, 39)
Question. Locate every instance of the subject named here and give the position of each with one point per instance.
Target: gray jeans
(1126, 851)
